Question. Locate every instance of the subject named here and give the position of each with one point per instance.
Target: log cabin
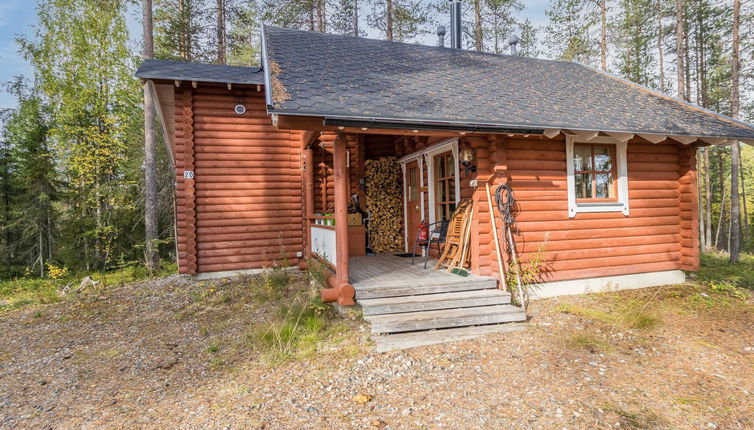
(268, 159)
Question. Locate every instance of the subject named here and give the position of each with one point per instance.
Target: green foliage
(22, 292)
(301, 326)
(182, 30)
(571, 31)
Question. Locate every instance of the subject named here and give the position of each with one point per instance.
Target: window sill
(598, 207)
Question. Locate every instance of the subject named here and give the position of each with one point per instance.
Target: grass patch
(643, 419)
(592, 342)
(620, 313)
(301, 325)
(17, 293)
(715, 268)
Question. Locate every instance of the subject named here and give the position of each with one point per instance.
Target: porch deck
(391, 273)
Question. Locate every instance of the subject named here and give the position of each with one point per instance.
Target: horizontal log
(628, 252)
(590, 224)
(242, 222)
(607, 242)
(262, 254)
(634, 148)
(536, 165)
(210, 249)
(564, 275)
(653, 167)
(633, 157)
(249, 208)
(514, 156)
(571, 234)
(270, 233)
(260, 180)
(251, 226)
(246, 214)
(270, 198)
(653, 194)
(608, 262)
(265, 188)
(514, 144)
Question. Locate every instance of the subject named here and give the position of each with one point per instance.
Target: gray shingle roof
(356, 78)
(185, 71)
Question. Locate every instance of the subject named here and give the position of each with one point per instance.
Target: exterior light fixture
(240, 109)
(466, 156)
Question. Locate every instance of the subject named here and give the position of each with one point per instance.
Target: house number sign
(188, 174)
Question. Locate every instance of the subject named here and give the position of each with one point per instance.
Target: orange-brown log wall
(245, 204)
(661, 232)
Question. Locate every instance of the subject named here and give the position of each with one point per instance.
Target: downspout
(266, 71)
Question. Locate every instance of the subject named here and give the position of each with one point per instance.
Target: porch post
(344, 289)
(308, 159)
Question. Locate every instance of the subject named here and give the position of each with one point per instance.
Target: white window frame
(621, 205)
(431, 152)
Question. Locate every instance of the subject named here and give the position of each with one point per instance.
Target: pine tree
(243, 40)
(182, 30)
(400, 20)
(345, 18)
(34, 217)
(570, 31)
(97, 119)
(635, 40)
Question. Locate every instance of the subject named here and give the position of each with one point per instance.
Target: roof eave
(407, 123)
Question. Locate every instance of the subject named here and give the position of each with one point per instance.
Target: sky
(17, 17)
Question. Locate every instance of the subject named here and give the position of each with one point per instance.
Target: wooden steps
(430, 302)
(409, 306)
(445, 318)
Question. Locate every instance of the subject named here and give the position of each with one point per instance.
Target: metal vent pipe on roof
(455, 24)
(441, 36)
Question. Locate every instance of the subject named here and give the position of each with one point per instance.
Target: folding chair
(437, 234)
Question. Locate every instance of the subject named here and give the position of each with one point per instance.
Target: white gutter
(266, 71)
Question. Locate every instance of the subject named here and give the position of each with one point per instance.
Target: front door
(413, 203)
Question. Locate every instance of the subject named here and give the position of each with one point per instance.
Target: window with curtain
(445, 186)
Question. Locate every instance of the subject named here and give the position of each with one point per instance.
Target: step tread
(421, 288)
(389, 342)
(434, 297)
(445, 314)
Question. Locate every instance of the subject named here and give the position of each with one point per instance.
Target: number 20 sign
(188, 174)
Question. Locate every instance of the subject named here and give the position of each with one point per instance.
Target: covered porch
(433, 181)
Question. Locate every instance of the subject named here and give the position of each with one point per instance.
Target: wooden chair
(438, 232)
(456, 237)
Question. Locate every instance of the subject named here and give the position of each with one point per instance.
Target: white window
(597, 175)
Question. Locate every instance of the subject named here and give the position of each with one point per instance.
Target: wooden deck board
(389, 270)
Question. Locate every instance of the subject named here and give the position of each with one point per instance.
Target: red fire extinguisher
(423, 230)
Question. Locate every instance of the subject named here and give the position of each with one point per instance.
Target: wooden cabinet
(356, 241)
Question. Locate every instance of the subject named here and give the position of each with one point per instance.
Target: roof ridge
(398, 42)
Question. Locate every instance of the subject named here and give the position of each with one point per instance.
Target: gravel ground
(138, 357)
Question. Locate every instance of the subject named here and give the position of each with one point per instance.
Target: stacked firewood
(385, 204)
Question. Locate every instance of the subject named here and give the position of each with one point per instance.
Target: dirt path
(161, 354)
